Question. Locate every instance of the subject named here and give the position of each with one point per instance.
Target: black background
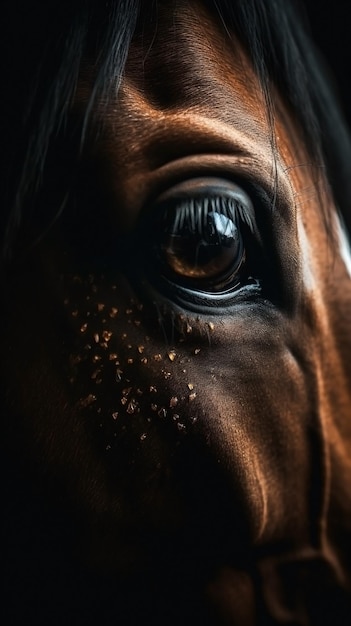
(330, 25)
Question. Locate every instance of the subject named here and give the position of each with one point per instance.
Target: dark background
(330, 25)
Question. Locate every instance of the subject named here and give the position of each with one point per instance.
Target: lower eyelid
(200, 304)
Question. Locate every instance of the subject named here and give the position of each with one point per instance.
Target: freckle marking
(114, 312)
(172, 355)
(119, 374)
(96, 337)
(192, 396)
(107, 334)
(133, 407)
(100, 306)
(157, 357)
(84, 402)
(190, 386)
(83, 328)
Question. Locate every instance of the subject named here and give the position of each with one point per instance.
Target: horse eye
(196, 236)
(201, 243)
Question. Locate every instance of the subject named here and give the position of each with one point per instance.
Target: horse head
(176, 335)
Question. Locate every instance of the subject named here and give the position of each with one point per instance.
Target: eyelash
(190, 210)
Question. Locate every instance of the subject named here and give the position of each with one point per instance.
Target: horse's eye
(200, 243)
(197, 238)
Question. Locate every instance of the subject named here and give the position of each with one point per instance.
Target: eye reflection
(203, 248)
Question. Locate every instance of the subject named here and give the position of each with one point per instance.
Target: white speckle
(307, 275)
(345, 249)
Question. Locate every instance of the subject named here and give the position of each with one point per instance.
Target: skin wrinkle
(203, 133)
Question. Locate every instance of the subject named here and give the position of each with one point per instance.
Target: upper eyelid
(211, 189)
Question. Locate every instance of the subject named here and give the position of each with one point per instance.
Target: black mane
(45, 46)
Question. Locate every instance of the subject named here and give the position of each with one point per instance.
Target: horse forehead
(187, 89)
(187, 58)
(180, 67)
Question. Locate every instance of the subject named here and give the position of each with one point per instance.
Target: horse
(175, 318)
